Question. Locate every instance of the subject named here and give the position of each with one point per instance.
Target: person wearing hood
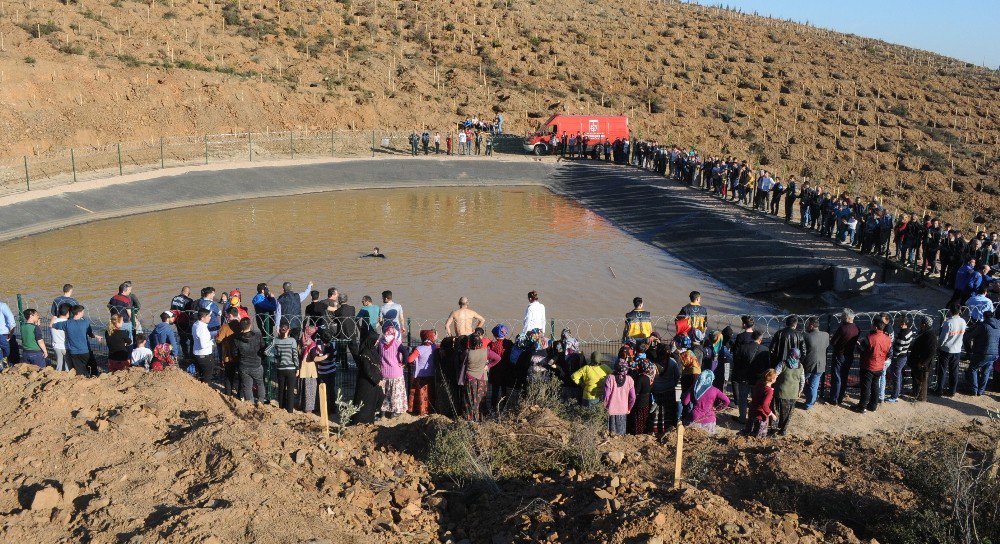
(476, 363)
(642, 376)
(985, 344)
(163, 333)
(501, 375)
(312, 353)
(591, 378)
(248, 350)
(368, 394)
(424, 361)
(619, 397)
(391, 362)
(785, 340)
(788, 388)
(705, 400)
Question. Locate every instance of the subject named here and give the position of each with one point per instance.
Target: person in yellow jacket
(591, 378)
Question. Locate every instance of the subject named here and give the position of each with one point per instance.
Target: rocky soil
(916, 129)
(137, 457)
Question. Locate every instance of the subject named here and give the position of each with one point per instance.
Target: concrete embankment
(753, 254)
(28, 213)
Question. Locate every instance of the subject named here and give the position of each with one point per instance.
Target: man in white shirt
(203, 344)
(391, 312)
(59, 336)
(534, 316)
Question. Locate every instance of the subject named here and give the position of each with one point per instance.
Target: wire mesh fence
(51, 169)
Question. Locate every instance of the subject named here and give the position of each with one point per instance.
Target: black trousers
(206, 367)
(286, 389)
(947, 368)
(250, 377)
(869, 390)
(80, 363)
(786, 408)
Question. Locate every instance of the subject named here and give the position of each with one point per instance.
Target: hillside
(919, 129)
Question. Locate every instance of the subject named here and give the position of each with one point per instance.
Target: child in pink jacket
(619, 397)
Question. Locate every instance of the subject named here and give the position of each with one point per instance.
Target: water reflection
(490, 244)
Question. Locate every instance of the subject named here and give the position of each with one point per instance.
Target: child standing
(286, 357)
(141, 355)
(619, 397)
(760, 413)
(424, 359)
(118, 344)
(590, 378)
(788, 387)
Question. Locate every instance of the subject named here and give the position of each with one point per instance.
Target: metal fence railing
(26, 173)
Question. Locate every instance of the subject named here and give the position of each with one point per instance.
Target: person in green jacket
(787, 389)
(591, 378)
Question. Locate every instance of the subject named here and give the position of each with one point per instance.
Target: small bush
(29, 60)
(37, 30)
(71, 49)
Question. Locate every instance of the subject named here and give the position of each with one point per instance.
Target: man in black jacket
(785, 340)
(748, 359)
(921, 357)
(248, 349)
(345, 329)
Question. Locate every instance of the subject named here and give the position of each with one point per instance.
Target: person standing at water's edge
(65, 298)
(289, 308)
(534, 315)
(78, 335)
(203, 346)
(59, 336)
(391, 313)
(638, 324)
(696, 314)
(950, 341)
(121, 305)
(464, 320)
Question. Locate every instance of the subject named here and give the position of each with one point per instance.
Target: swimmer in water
(375, 254)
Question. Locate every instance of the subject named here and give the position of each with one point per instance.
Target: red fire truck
(596, 128)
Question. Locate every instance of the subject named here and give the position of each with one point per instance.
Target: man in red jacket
(873, 365)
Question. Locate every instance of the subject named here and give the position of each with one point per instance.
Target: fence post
(373, 144)
(324, 410)
(206, 149)
(20, 309)
(250, 145)
(332, 146)
(678, 460)
(27, 178)
(72, 161)
(291, 142)
(161, 152)
(120, 159)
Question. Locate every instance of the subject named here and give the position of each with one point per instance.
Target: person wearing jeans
(900, 351)
(844, 342)
(814, 363)
(950, 345)
(873, 358)
(985, 349)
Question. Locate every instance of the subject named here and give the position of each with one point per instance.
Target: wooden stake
(680, 456)
(323, 412)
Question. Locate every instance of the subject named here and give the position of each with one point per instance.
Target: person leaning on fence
(950, 342)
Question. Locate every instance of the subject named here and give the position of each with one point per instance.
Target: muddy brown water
(490, 244)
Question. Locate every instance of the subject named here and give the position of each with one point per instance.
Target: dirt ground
(858, 114)
(149, 457)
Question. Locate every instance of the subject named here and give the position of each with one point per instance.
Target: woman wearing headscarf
(642, 376)
(368, 393)
(501, 375)
(788, 388)
(619, 397)
(424, 361)
(308, 375)
(665, 388)
(475, 376)
(391, 361)
(705, 400)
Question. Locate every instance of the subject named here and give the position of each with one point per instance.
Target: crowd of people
(648, 384)
(926, 244)
(470, 142)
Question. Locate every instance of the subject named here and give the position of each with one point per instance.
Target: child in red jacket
(760, 413)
